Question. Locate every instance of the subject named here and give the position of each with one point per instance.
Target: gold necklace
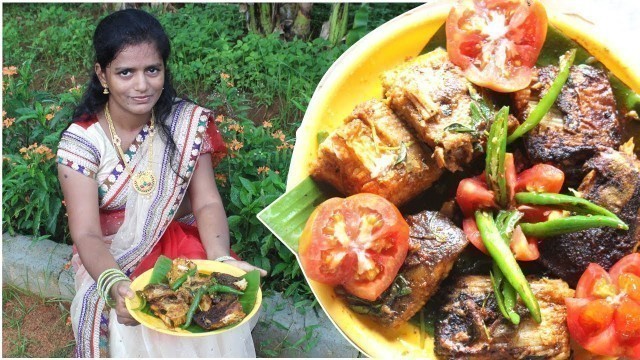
(144, 182)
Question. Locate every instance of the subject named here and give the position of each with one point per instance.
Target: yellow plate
(354, 78)
(204, 266)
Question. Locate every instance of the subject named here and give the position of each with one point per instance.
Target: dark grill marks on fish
(583, 120)
(434, 245)
(613, 182)
(470, 325)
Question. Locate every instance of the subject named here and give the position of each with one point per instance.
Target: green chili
(565, 202)
(506, 262)
(179, 281)
(505, 298)
(496, 150)
(223, 289)
(571, 224)
(548, 99)
(194, 305)
(506, 221)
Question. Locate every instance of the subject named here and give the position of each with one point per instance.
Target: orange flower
(221, 178)
(49, 116)
(235, 145)
(263, 169)
(9, 71)
(219, 119)
(284, 146)
(278, 135)
(224, 76)
(237, 128)
(267, 124)
(43, 150)
(8, 122)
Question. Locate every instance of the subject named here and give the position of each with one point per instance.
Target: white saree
(86, 148)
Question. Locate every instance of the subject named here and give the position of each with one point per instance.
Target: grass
(33, 326)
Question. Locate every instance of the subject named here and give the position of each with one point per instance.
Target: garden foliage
(258, 85)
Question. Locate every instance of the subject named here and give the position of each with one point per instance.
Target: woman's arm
(81, 198)
(208, 210)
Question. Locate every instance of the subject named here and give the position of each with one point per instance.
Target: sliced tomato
(473, 194)
(360, 242)
(601, 342)
(470, 229)
(630, 284)
(540, 178)
(627, 321)
(595, 283)
(596, 316)
(496, 42)
(604, 317)
(523, 248)
(629, 264)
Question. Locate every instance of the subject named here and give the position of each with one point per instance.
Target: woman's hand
(243, 265)
(119, 291)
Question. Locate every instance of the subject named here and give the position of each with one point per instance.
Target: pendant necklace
(144, 182)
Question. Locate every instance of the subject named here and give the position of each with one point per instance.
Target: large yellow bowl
(204, 266)
(354, 78)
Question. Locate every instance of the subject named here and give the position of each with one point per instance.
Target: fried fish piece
(583, 120)
(375, 153)
(433, 96)
(470, 325)
(224, 310)
(434, 245)
(613, 182)
(170, 306)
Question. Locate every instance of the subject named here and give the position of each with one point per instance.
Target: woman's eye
(125, 72)
(153, 70)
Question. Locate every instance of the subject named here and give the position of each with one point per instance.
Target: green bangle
(106, 280)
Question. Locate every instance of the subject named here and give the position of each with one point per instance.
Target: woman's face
(135, 79)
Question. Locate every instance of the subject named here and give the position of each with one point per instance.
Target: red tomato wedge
(496, 42)
(474, 194)
(470, 229)
(523, 248)
(540, 178)
(629, 264)
(510, 175)
(604, 317)
(360, 242)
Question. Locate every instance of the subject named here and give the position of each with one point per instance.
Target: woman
(133, 166)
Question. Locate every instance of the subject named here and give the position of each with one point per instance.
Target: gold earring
(106, 90)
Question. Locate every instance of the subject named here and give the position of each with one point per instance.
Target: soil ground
(35, 327)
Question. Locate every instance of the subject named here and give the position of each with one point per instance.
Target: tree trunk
(337, 24)
(302, 23)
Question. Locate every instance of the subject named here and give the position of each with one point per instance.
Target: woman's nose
(141, 83)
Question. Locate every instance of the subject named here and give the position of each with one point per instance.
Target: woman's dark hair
(114, 33)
